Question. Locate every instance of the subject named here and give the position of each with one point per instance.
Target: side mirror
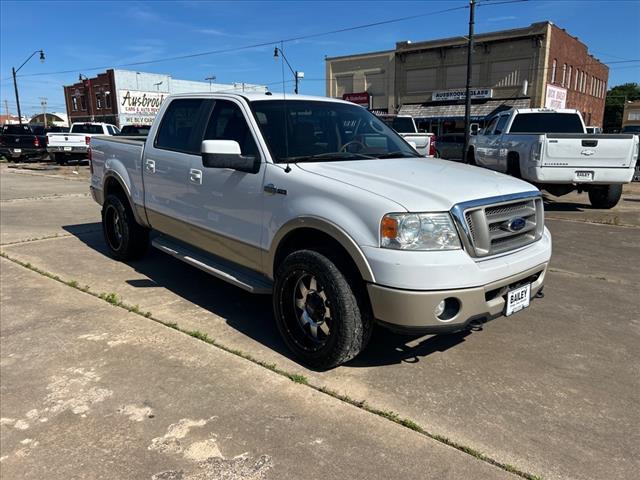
(227, 154)
(475, 128)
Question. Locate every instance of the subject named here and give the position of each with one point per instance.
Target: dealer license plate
(583, 176)
(17, 150)
(67, 149)
(518, 299)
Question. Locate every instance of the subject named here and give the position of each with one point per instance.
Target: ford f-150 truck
(551, 149)
(405, 125)
(74, 144)
(319, 203)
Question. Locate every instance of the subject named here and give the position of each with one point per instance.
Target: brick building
(535, 66)
(123, 97)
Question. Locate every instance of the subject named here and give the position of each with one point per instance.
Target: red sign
(362, 98)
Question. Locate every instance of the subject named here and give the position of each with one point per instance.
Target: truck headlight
(418, 231)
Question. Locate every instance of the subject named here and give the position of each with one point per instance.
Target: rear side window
(547, 123)
(180, 130)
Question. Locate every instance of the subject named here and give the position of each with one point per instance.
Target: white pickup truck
(74, 144)
(405, 125)
(551, 149)
(318, 202)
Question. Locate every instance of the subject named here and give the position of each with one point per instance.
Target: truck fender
(327, 227)
(120, 175)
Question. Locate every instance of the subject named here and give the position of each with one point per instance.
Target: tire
(605, 196)
(513, 166)
(125, 239)
(60, 158)
(330, 307)
(471, 157)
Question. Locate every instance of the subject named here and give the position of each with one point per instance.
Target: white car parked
(318, 202)
(551, 149)
(74, 144)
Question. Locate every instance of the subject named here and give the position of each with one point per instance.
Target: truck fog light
(447, 309)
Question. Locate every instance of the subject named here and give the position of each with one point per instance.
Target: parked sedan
(450, 145)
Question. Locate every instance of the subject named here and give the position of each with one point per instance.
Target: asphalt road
(553, 391)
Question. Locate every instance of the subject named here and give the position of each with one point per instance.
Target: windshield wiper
(327, 156)
(399, 154)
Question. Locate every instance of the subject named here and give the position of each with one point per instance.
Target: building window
(107, 100)
(575, 87)
(553, 70)
(569, 77)
(98, 101)
(83, 102)
(74, 104)
(564, 74)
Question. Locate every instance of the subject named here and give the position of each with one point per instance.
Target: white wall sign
(556, 97)
(460, 94)
(133, 102)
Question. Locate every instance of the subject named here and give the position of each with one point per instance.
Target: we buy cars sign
(362, 98)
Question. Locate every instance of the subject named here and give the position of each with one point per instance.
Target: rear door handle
(150, 166)
(195, 176)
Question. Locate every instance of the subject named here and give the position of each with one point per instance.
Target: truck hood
(420, 184)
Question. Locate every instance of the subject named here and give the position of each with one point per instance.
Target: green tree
(614, 104)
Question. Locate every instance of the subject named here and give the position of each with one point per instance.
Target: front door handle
(195, 176)
(150, 166)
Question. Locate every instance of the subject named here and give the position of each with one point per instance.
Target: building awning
(478, 110)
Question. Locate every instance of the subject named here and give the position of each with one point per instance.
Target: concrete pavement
(552, 391)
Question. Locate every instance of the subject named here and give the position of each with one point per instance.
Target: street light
(84, 78)
(297, 76)
(15, 83)
(157, 85)
(211, 79)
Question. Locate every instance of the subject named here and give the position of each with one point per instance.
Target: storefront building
(535, 66)
(125, 97)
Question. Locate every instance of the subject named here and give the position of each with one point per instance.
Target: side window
(488, 130)
(110, 130)
(178, 130)
(228, 123)
(501, 123)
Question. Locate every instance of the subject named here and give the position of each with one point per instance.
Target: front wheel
(317, 312)
(605, 196)
(125, 239)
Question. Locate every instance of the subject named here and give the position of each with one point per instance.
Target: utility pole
(6, 109)
(211, 79)
(15, 82)
(467, 107)
(43, 103)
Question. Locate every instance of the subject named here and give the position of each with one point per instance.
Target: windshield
(547, 123)
(303, 130)
(631, 129)
(86, 128)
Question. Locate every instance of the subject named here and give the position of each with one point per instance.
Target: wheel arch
(313, 232)
(114, 183)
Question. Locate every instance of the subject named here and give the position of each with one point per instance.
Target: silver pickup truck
(321, 204)
(551, 149)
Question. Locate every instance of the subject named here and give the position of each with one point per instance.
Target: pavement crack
(591, 276)
(114, 300)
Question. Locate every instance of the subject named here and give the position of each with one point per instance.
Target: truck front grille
(498, 227)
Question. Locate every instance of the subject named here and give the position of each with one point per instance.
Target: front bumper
(414, 311)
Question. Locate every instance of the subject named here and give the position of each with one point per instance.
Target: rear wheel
(605, 196)
(60, 158)
(317, 312)
(513, 165)
(125, 239)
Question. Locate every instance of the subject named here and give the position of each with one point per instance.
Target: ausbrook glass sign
(460, 94)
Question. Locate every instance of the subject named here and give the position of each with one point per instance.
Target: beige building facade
(510, 68)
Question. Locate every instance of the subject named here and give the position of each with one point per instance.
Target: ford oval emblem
(516, 224)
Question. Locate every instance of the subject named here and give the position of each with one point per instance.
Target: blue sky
(79, 35)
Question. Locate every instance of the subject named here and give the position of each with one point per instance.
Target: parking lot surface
(553, 391)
